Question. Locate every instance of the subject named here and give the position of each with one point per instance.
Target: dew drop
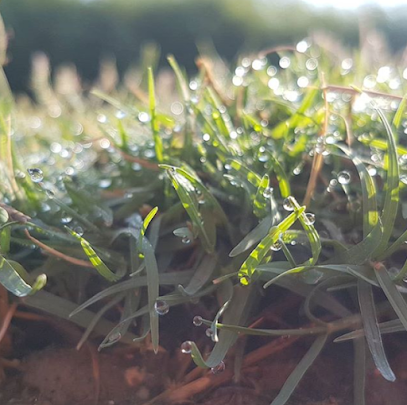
(36, 175)
(102, 118)
(186, 347)
(197, 321)
(161, 307)
(276, 246)
(143, 117)
(50, 194)
(219, 368)
(18, 174)
(284, 62)
(310, 218)
(298, 169)
(311, 64)
(79, 230)
(206, 137)
(344, 177)
(120, 114)
(267, 192)
(115, 337)
(186, 240)
(209, 333)
(287, 205)
(105, 183)
(372, 170)
(66, 220)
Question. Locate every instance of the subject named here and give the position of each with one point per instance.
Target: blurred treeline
(85, 32)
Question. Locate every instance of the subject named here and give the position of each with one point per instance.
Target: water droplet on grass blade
(36, 175)
(284, 62)
(309, 218)
(18, 174)
(276, 246)
(197, 321)
(267, 193)
(186, 240)
(219, 368)
(79, 230)
(102, 118)
(115, 337)
(344, 177)
(161, 307)
(287, 205)
(186, 347)
(66, 220)
(143, 117)
(120, 114)
(50, 194)
(311, 64)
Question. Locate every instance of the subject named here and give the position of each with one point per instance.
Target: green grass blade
(260, 203)
(54, 305)
(302, 367)
(391, 200)
(363, 251)
(171, 279)
(236, 313)
(257, 255)
(159, 151)
(282, 178)
(187, 195)
(359, 372)
(370, 212)
(15, 279)
(149, 217)
(244, 172)
(182, 82)
(153, 285)
(393, 295)
(315, 330)
(254, 236)
(372, 331)
(399, 114)
(93, 257)
(201, 275)
(206, 197)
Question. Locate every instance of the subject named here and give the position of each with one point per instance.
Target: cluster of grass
(260, 175)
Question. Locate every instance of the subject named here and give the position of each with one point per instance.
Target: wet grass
(261, 175)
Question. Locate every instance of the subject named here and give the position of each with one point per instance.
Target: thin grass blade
(372, 331)
(302, 367)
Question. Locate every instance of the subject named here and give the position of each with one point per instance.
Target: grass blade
(93, 257)
(153, 285)
(393, 295)
(257, 255)
(254, 236)
(154, 123)
(201, 275)
(391, 200)
(302, 367)
(372, 331)
(15, 278)
(187, 195)
(149, 217)
(260, 203)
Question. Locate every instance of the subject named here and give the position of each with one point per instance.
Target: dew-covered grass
(166, 189)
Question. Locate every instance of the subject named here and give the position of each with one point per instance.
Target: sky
(349, 4)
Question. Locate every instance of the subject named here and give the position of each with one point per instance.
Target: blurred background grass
(86, 32)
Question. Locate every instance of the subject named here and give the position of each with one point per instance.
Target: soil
(50, 371)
